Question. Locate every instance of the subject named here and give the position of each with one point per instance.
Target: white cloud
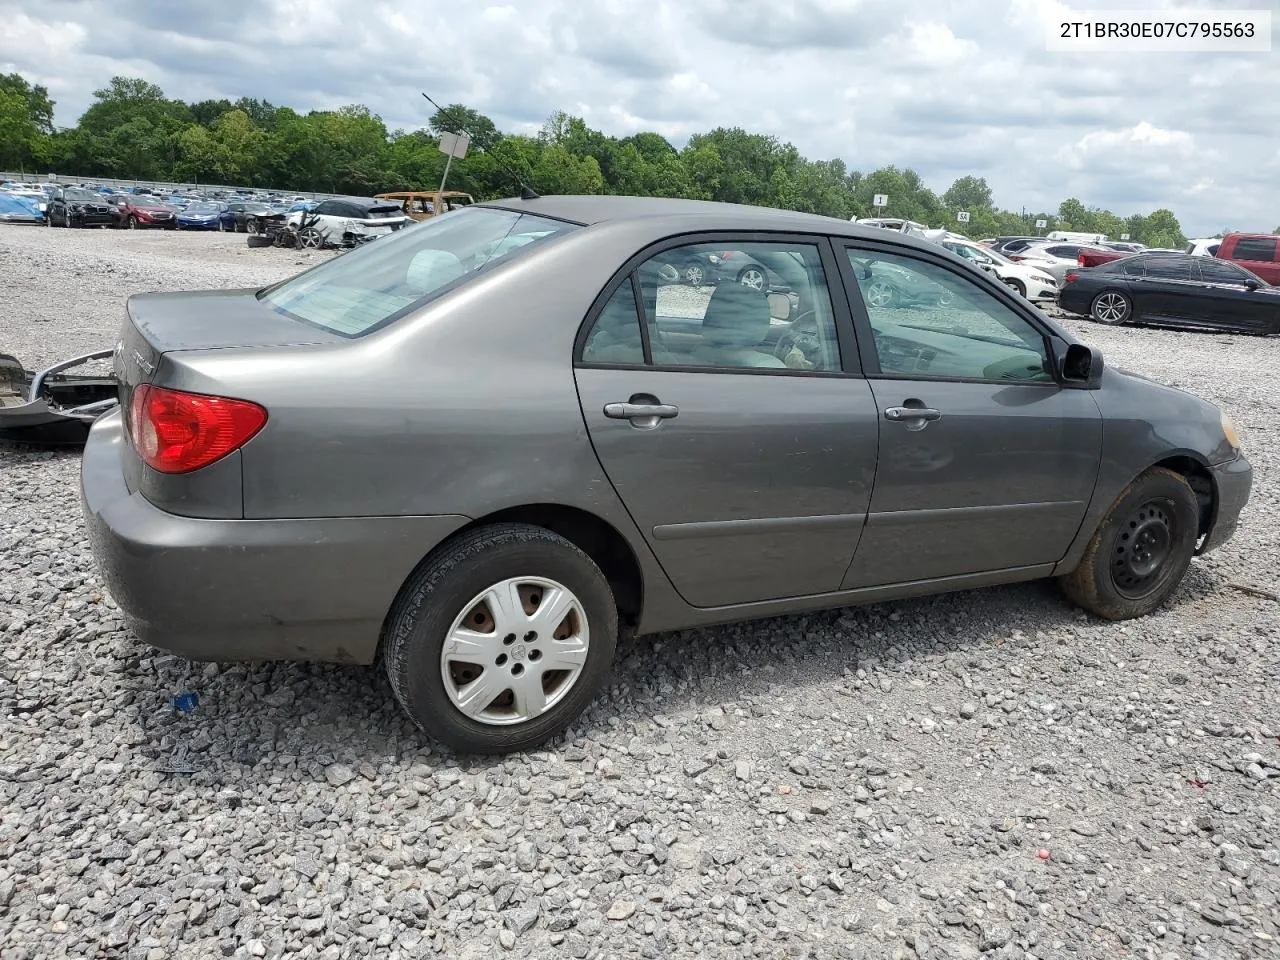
(965, 87)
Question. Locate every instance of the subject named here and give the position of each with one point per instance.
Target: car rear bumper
(1233, 482)
(310, 589)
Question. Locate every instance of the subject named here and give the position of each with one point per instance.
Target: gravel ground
(987, 774)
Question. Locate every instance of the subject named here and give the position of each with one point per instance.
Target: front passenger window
(929, 322)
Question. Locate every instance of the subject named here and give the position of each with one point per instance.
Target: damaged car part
(51, 406)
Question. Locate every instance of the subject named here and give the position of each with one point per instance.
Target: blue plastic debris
(186, 702)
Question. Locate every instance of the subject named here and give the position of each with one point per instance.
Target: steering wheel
(791, 339)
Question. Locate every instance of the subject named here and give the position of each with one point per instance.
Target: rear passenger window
(734, 305)
(615, 336)
(1169, 268)
(1134, 268)
(1255, 248)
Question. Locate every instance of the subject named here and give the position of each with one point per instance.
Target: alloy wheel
(515, 651)
(1111, 307)
(880, 294)
(753, 278)
(694, 275)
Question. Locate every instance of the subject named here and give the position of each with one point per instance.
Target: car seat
(735, 324)
(429, 270)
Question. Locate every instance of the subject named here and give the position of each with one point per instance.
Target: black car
(78, 207)
(1173, 289)
(242, 212)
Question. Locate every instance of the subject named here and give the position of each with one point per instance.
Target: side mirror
(1082, 366)
(1251, 285)
(779, 306)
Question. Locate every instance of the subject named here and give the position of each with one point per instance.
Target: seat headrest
(736, 315)
(429, 270)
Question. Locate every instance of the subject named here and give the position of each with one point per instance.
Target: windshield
(82, 195)
(376, 284)
(203, 208)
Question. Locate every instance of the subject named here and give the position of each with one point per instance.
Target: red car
(1258, 253)
(142, 211)
(1094, 256)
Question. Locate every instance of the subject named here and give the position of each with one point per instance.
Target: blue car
(203, 215)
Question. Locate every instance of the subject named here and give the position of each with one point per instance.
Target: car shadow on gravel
(258, 722)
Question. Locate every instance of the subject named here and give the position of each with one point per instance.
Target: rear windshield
(379, 282)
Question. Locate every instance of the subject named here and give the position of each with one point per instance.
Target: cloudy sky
(952, 88)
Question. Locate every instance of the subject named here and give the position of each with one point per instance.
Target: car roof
(694, 215)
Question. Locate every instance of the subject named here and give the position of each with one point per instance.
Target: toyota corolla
(478, 450)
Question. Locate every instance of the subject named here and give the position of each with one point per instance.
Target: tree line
(132, 130)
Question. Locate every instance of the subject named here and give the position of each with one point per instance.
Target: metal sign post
(962, 216)
(880, 201)
(452, 145)
(1124, 236)
(1041, 224)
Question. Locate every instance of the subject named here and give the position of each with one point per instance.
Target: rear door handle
(912, 413)
(640, 411)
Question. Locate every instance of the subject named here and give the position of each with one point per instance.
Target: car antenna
(526, 192)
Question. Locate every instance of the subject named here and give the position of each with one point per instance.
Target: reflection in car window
(757, 305)
(360, 291)
(1220, 271)
(929, 322)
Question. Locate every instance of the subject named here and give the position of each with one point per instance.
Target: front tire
(132, 222)
(501, 639)
(1018, 287)
(1141, 550)
(1111, 307)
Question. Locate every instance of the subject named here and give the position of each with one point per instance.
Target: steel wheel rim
(1110, 307)
(879, 293)
(752, 278)
(1142, 550)
(515, 651)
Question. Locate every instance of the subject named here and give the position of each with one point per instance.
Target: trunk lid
(161, 323)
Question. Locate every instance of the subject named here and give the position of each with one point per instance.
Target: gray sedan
(480, 450)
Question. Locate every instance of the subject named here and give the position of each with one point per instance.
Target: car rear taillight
(1071, 278)
(1080, 259)
(177, 432)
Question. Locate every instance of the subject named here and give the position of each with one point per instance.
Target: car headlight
(1044, 278)
(1229, 431)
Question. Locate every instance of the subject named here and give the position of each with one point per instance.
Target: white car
(1204, 247)
(330, 221)
(1054, 259)
(1029, 280)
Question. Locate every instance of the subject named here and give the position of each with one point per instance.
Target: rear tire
(1141, 550)
(258, 240)
(1111, 307)
(443, 598)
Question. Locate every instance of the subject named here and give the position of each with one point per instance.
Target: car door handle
(640, 411)
(912, 413)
